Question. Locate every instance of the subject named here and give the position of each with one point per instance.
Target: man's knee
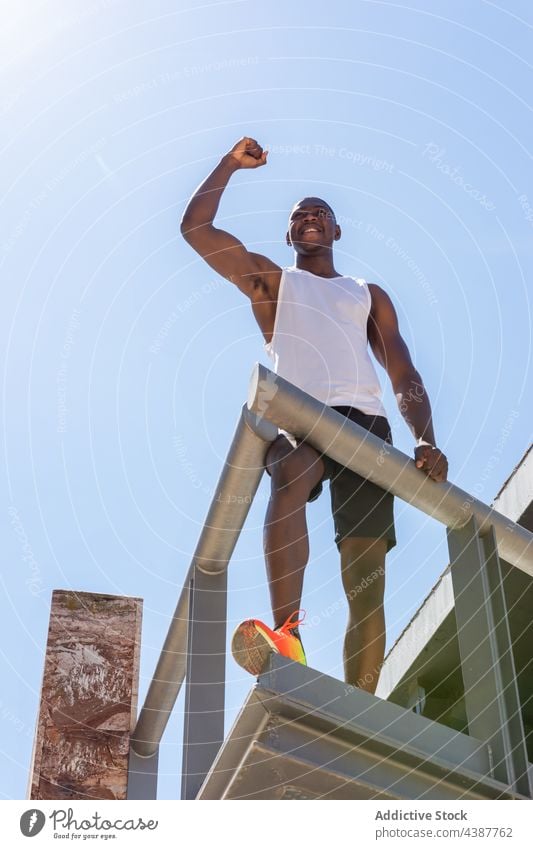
(356, 550)
(300, 467)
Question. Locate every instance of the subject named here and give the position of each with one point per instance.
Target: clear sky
(125, 359)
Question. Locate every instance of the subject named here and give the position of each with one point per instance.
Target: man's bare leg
(294, 473)
(363, 578)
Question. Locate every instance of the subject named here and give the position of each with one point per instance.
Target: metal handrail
(278, 401)
(273, 401)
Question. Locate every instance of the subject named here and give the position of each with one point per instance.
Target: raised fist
(248, 153)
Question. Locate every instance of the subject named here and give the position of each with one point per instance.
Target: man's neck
(322, 266)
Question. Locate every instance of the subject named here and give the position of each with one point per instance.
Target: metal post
(142, 776)
(491, 693)
(203, 732)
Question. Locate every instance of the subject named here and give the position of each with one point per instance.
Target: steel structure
(477, 534)
(304, 735)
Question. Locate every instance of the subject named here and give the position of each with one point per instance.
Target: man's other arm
(392, 353)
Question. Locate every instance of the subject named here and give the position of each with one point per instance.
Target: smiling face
(312, 226)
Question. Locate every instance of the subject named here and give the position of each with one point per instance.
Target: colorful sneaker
(253, 642)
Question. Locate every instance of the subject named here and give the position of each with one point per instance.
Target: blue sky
(125, 359)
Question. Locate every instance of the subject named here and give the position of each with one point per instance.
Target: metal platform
(305, 735)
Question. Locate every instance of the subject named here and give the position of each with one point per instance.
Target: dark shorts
(360, 508)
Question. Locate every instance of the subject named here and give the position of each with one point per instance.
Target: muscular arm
(255, 275)
(392, 353)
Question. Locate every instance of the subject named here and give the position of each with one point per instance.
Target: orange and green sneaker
(253, 642)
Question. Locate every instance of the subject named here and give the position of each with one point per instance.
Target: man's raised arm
(222, 251)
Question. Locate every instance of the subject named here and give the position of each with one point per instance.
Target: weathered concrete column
(88, 698)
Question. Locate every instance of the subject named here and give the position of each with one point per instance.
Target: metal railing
(198, 623)
(235, 490)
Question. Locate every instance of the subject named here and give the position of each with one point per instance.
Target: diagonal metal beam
(235, 491)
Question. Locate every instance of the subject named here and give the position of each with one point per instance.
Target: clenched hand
(248, 153)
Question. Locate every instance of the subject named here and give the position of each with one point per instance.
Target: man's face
(312, 226)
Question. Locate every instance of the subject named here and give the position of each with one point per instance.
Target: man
(317, 325)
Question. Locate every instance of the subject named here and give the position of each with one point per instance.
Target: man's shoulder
(378, 295)
(382, 307)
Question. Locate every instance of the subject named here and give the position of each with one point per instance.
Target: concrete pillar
(88, 700)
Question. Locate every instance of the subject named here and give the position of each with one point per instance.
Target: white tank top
(320, 339)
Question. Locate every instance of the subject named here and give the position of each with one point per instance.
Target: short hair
(321, 202)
